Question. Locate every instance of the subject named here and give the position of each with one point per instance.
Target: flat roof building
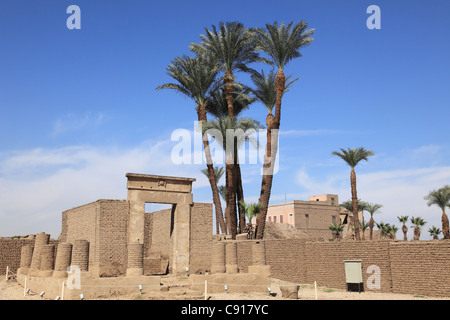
(313, 216)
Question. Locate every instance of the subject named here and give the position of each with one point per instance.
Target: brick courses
(413, 267)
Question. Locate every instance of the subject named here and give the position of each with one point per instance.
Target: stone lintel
(160, 183)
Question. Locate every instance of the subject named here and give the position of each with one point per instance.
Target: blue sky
(79, 109)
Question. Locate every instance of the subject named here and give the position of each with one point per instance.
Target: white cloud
(37, 185)
(73, 122)
(401, 192)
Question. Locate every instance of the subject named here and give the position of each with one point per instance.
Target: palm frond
(218, 172)
(218, 105)
(195, 77)
(373, 207)
(352, 156)
(282, 43)
(440, 197)
(231, 133)
(232, 45)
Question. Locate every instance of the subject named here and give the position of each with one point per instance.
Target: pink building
(313, 216)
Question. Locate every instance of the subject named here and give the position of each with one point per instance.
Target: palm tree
(394, 230)
(250, 210)
(363, 226)
(282, 44)
(196, 79)
(266, 94)
(403, 220)
(372, 208)
(352, 157)
(387, 230)
(435, 232)
(336, 228)
(348, 205)
(220, 129)
(418, 223)
(218, 173)
(218, 107)
(441, 198)
(233, 47)
(223, 192)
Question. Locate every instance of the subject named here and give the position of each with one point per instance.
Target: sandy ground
(11, 290)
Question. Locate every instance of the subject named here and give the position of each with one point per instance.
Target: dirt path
(11, 290)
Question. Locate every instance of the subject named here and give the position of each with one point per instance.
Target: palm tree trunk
(405, 231)
(270, 121)
(267, 178)
(240, 197)
(280, 83)
(271, 152)
(231, 199)
(230, 166)
(445, 226)
(211, 177)
(355, 203)
(371, 225)
(416, 233)
(229, 93)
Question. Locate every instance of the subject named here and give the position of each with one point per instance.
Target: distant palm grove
(210, 77)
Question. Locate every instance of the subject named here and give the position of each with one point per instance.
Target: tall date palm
(372, 208)
(352, 157)
(218, 107)
(265, 92)
(282, 43)
(232, 46)
(196, 79)
(224, 130)
(441, 198)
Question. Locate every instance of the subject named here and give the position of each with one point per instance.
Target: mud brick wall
(244, 255)
(287, 259)
(421, 267)
(10, 250)
(80, 223)
(103, 224)
(157, 233)
(325, 262)
(111, 240)
(157, 240)
(201, 238)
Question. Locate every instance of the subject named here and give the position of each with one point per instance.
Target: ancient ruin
(115, 247)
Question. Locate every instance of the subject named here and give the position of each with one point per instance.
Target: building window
(274, 219)
(270, 218)
(281, 218)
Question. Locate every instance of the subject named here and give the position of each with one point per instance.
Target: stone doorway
(176, 191)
